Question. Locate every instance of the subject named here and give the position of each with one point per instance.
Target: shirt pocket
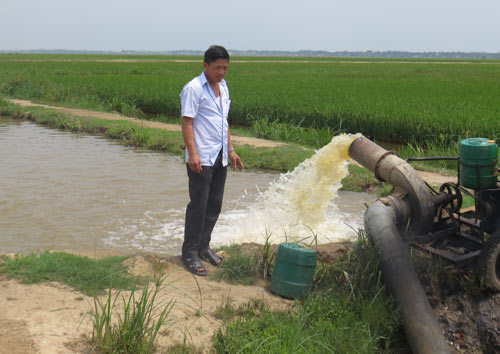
(226, 103)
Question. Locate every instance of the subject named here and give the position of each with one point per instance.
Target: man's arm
(233, 156)
(194, 162)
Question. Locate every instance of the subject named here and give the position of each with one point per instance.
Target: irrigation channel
(66, 191)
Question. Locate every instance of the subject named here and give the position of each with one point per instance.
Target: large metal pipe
(410, 201)
(408, 184)
(423, 330)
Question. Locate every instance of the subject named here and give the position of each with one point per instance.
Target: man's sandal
(211, 257)
(195, 266)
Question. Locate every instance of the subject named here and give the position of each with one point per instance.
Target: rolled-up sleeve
(190, 102)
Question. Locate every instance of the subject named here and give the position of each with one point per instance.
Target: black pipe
(410, 201)
(423, 330)
(433, 158)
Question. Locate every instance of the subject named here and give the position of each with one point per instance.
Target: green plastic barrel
(293, 270)
(478, 163)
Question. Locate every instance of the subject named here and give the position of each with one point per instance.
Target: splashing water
(299, 205)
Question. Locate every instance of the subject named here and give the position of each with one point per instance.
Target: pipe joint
(400, 208)
(388, 167)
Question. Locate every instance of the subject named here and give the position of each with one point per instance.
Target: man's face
(216, 70)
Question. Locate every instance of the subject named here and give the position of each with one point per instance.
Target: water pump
(469, 236)
(464, 236)
(439, 224)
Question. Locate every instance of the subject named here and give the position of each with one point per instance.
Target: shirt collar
(203, 80)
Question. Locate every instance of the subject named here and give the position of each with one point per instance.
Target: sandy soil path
(53, 318)
(435, 179)
(240, 140)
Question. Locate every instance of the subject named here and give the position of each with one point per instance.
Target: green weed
(133, 327)
(138, 136)
(239, 268)
(266, 128)
(325, 323)
(266, 258)
(8, 109)
(443, 277)
(348, 311)
(226, 311)
(360, 180)
(90, 276)
(183, 349)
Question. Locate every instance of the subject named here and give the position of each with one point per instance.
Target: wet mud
(470, 319)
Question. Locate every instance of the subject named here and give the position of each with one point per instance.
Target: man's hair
(214, 53)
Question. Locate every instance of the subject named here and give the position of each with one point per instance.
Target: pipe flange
(384, 155)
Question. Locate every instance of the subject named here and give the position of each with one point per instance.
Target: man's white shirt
(210, 125)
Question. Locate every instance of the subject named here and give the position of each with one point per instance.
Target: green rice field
(399, 101)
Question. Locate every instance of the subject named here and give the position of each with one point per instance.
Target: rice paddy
(405, 101)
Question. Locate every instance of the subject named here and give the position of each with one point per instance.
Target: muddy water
(64, 191)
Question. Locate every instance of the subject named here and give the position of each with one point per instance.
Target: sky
(331, 25)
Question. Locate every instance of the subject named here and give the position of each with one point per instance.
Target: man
(204, 107)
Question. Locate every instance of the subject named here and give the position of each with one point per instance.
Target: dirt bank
(431, 178)
(471, 322)
(53, 318)
(240, 140)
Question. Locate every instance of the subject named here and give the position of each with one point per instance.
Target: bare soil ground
(436, 179)
(53, 318)
(471, 323)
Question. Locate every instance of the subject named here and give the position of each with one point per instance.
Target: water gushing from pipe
(297, 204)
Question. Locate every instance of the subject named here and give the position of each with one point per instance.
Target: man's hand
(194, 163)
(235, 161)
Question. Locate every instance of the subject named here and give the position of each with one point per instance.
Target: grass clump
(266, 258)
(281, 158)
(183, 349)
(348, 311)
(226, 311)
(238, 267)
(246, 265)
(267, 128)
(442, 278)
(7, 108)
(324, 324)
(134, 327)
(360, 180)
(90, 276)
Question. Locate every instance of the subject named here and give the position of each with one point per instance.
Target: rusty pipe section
(408, 185)
(412, 201)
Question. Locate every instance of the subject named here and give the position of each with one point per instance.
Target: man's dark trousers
(206, 191)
